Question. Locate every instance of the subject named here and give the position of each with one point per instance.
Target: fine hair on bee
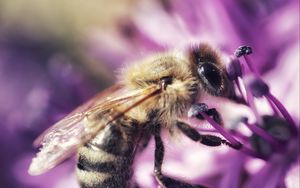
(152, 95)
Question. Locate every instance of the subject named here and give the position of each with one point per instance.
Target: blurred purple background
(55, 55)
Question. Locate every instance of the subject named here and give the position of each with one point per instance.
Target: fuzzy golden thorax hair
(172, 102)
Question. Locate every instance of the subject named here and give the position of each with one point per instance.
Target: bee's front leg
(208, 140)
(165, 181)
(198, 111)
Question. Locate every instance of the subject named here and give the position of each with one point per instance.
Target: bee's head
(211, 74)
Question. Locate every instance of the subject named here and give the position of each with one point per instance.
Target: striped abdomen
(107, 160)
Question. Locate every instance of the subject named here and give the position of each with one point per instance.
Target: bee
(153, 95)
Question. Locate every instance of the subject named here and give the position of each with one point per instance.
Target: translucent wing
(96, 100)
(61, 140)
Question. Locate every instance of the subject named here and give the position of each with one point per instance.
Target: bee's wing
(75, 114)
(62, 139)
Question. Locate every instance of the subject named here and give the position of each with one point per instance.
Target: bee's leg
(196, 109)
(208, 140)
(165, 181)
(201, 109)
(144, 142)
(215, 115)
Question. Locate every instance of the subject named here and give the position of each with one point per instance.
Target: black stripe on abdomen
(117, 141)
(102, 166)
(106, 161)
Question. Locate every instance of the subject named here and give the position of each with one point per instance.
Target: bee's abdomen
(107, 160)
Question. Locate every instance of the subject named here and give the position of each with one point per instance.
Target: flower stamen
(274, 109)
(235, 143)
(260, 132)
(259, 88)
(283, 111)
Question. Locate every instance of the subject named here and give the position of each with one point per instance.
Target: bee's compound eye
(210, 74)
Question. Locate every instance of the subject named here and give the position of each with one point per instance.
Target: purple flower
(274, 39)
(40, 83)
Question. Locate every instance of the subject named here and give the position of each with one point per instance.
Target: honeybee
(109, 129)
